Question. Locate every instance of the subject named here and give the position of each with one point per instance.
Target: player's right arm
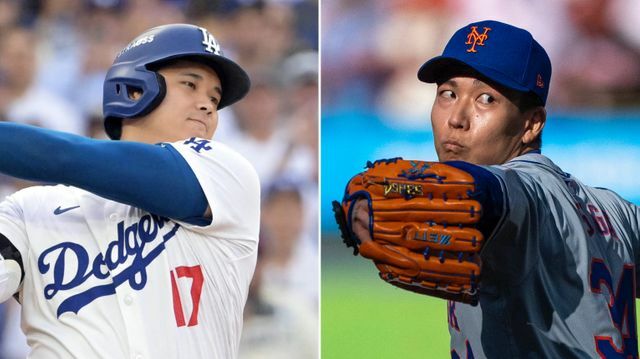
(155, 178)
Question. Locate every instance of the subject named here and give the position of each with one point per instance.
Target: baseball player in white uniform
(147, 245)
(559, 271)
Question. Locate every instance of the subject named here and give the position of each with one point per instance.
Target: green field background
(364, 317)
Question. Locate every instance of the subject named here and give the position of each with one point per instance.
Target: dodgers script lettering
(65, 257)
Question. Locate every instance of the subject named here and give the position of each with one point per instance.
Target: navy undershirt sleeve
(488, 192)
(155, 178)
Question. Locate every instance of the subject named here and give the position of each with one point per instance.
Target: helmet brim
(234, 80)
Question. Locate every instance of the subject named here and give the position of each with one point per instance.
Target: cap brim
(433, 70)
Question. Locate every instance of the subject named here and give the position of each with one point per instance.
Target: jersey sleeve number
(195, 273)
(621, 307)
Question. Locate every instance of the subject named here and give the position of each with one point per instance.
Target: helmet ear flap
(155, 102)
(113, 125)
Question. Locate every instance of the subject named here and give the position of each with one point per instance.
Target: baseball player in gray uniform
(559, 263)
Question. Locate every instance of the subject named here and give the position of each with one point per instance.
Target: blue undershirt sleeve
(155, 178)
(488, 192)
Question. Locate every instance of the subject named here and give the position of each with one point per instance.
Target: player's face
(473, 122)
(189, 108)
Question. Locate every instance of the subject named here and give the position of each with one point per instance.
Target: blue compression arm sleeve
(488, 193)
(152, 177)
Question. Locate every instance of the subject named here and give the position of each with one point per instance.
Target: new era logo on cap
(502, 53)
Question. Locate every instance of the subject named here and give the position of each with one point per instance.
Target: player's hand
(360, 220)
(416, 221)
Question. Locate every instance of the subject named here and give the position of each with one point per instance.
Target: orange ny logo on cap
(475, 38)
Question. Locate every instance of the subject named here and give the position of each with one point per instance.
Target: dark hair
(525, 101)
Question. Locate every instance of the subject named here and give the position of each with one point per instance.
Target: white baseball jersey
(559, 272)
(107, 280)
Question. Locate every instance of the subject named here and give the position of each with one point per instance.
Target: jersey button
(113, 217)
(139, 356)
(128, 299)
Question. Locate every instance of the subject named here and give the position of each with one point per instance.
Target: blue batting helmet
(133, 69)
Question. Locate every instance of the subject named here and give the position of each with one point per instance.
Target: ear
(134, 93)
(534, 123)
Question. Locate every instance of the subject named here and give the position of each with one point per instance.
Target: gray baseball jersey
(559, 274)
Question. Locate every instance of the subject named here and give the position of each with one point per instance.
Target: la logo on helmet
(209, 42)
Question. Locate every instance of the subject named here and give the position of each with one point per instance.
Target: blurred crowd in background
(54, 55)
(594, 46)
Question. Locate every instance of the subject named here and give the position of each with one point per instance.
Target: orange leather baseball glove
(422, 233)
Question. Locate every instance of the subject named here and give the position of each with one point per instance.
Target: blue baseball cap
(505, 54)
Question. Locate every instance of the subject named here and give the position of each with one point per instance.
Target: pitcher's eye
(447, 94)
(486, 99)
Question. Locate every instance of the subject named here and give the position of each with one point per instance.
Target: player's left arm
(11, 269)
(423, 223)
(155, 178)
(14, 246)
(489, 193)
